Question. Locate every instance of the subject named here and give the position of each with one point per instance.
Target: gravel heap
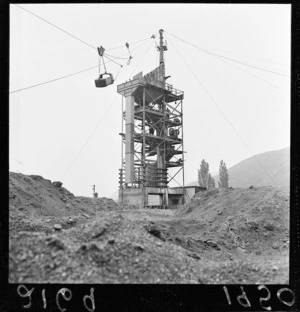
(221, 236)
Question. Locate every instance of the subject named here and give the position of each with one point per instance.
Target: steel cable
(66, 32)
(224, 116)
(230, 59)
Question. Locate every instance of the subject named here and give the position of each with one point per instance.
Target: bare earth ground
(222, 236)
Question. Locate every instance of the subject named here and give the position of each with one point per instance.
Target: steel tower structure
(153, 138)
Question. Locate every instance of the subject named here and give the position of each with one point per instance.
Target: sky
(236, 91)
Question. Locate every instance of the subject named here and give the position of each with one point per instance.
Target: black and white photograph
(149, 143)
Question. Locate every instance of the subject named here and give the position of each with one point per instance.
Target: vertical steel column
(165, 197)
(182, 152)
(122, 143)
(122, 127)
(164, 127)
(144, 149)
(129, 147)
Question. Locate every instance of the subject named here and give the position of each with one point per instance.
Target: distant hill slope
(266, 169)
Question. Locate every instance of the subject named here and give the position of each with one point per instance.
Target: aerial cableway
(105, 79)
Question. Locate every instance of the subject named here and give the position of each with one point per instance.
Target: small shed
(179, 196)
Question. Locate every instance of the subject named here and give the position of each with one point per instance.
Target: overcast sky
(68, 130)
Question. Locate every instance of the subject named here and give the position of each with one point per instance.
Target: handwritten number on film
(24, 292)
(244, 301)
(284, 295)
(63, 294)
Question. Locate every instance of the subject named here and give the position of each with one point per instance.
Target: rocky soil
(221, 236)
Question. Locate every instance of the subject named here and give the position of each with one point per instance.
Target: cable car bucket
(102, 81)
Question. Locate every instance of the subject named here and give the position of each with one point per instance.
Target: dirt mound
(221, 236)
(55, 236)
(110, 249)
(36, 195)
(255, 219)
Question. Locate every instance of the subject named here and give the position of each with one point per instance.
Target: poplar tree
(211, 181)
(203, 174)
(223, 175)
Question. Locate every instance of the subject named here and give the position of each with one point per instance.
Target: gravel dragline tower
(153, 138)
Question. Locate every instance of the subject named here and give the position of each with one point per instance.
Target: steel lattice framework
(152, 136)
(158, 135)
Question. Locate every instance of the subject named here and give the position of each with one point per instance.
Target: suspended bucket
(102, 82)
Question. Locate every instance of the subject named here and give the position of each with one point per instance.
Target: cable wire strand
(247, 56)
(94, 47)
(88, 139)
(49, 81)
(116, 57)
(105, 55)
(250, 74)
(225, 117)
(146, 51)
(51, 58)
(66, 76)
(258, 78)
(230, 59)
(66, 32)
(122, 46)
(102, 118)
(93, 132)
(121, 56)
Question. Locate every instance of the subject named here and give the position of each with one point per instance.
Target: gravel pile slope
(255, 219)
(34, 194)
(221, 236)
(110, 249)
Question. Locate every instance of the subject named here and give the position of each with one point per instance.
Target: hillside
(266, 169)
(221, 236)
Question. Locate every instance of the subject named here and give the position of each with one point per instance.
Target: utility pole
(95, 194)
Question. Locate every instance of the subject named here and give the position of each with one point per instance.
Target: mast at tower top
(161, 48)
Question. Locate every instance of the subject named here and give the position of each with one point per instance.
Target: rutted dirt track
(221, 236)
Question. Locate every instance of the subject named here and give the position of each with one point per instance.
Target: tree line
(206, 180)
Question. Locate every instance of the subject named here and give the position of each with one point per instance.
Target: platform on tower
(155, 87)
